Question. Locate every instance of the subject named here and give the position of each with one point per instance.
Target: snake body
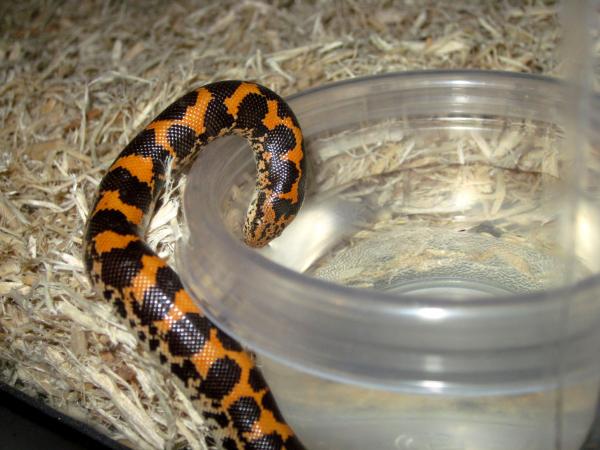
(220, 376)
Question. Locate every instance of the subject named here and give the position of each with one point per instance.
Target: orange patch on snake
(111, 200)
(182, 305)
(195, 116)
(272, 120)
(161, 127)
(267, 424)
(139, 166)
(211, 352)
(233, 102)
(147, 276)
(109, 240)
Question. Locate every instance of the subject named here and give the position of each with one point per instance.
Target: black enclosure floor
(26, 423)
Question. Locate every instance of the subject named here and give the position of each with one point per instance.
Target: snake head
(267, 217)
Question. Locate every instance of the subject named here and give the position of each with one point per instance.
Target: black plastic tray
(28, 423)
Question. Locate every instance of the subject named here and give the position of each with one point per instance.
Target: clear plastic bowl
(439, 289)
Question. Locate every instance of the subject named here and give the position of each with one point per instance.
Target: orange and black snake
(220, 376)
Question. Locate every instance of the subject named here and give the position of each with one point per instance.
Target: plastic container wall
(479, 327)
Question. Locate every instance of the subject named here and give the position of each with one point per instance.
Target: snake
(220, 376)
